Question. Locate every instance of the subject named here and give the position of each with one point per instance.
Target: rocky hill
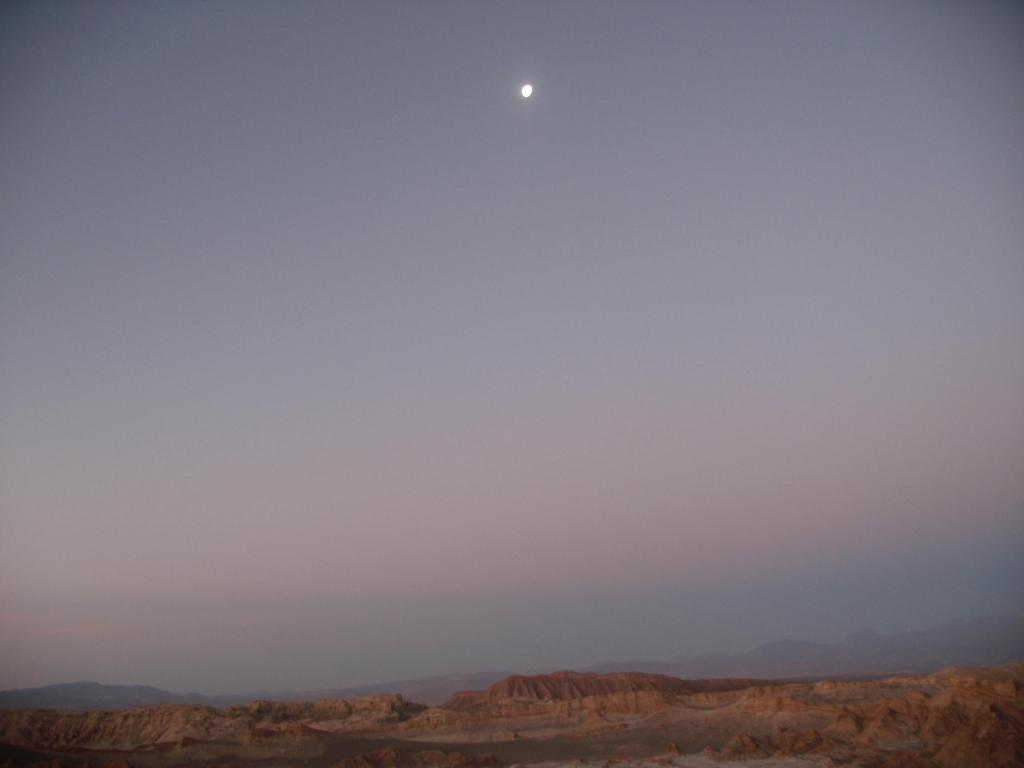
(567, 686)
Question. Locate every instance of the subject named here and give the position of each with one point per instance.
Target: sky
(326, 358)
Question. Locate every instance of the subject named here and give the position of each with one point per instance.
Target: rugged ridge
(174, 724)
(568, 686)
(987, 641)
(957, 718)
(977, 642)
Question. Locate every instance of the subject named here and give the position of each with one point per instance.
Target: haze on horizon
(327, 358)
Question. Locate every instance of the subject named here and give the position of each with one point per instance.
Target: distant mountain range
(92, 695)
(425, 690)
(960, 643)
(977, 642)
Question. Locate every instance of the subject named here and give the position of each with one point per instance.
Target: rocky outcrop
(944, 721)
(572, 686)
(990, 737)
(131, 728)
(954, 719)
(545, 705)
(785, 743)
(175, 724)
(348, 714)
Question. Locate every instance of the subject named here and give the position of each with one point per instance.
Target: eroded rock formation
(959, 718)
(140, 728)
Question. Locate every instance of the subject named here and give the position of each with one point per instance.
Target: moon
(527, 90)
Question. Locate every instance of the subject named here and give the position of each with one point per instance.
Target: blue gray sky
(326, 358)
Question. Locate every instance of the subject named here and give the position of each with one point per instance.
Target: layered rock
(947, 721)
(547, 705)
(175, 724)
(955, 719)
(572, 686)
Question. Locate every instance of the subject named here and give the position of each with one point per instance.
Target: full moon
(527, 90)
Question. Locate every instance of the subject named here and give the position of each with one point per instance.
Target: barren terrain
(957, 718)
